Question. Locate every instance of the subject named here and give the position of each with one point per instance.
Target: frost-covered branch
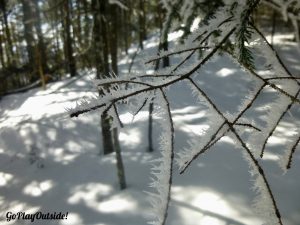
(229, 31)
(163, 171)
(253, 163)
(290, 157)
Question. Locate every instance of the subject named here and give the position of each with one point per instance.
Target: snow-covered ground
(51, 163)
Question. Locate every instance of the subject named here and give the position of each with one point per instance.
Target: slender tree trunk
(86, 21)
(56, 36)
(114, 62)
(101, 51)
(125, 30)
(29, 36)
(16, 43)
(69, 41)
(100, 44)
(10, 53)
(114, 25)
(150, 128)
(78, 21)
(40, 67)
(142, 23)
(273, 26)
(41, 44)
(120, 166)
(3, 65)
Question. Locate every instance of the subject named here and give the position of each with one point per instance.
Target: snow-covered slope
(51, 163)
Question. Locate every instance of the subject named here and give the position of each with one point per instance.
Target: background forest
(44, 40)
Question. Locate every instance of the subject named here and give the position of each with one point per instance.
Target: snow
(51, 163)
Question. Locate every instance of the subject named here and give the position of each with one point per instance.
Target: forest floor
(51, 163)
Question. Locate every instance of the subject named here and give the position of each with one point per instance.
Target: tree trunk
(40, 67)
(114, 38)
(3, 65)
(142, 23)
(78, 21)
(125, 30)
(69, 42)
(41, 44)
(10, 53)
(273, 26)
(29, 36)
(120, 166)
(86, 21)
(101, 63)
(16, 42)
(150, 128)
(114, 64)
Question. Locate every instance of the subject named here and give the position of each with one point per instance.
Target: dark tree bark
(68, 40)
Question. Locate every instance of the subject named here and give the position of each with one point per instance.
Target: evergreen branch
(277, 123)
(210, 33)
(112, 82)
(176, 53)
(79, 112)
(246, 125)
(208, 146)
(170, 120)
(289, 163)
(275, 53)
(191, 49)
(275, 87)
(184, 76)
(213, 51)
(261, 173)
(213, 139)
(158, 75)
(253, 160)
(283, 78)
